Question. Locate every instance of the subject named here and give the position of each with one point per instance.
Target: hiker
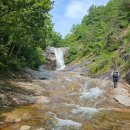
(115, 75)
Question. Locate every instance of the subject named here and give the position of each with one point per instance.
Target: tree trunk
(10, 52)
(18, 50)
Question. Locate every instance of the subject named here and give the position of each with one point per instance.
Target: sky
(66, 13)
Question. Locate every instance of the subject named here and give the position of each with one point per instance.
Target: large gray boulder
(50, 56)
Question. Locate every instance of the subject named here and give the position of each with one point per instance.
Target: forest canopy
(103, 35)
(27, 29)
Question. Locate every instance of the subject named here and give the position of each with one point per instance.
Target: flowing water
(59, 54)
(59, 58)
(65, 101)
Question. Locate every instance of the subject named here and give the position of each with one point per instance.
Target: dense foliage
(101, 34)
(25, 30)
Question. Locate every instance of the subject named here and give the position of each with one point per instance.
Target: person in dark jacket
(115, 75)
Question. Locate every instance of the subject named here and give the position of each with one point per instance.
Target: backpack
(115, 74)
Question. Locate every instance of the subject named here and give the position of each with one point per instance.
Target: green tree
(23, 29)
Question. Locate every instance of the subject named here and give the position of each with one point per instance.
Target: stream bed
(69, 101)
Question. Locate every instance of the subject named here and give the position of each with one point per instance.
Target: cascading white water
(59, 54)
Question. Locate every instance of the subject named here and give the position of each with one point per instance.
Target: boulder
(50, 56)
(122, 95)
(25, 128)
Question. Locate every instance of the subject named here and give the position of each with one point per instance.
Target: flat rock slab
(41, 99)
(25, 128)
(122, 95)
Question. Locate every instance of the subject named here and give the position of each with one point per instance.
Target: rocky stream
(63, 100)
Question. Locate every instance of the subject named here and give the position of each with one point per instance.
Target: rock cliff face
(50, 56)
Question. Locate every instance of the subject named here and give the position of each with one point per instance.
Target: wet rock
(2, 96)
(73, 67)
(1, 123)
(122, 96)
(41, 129)
(49, 54)
(40, 73)
(17, 120)
(10, 95)
(12, 119)
(41, 99)
(92, 84)
(4, 100)
(25, 128)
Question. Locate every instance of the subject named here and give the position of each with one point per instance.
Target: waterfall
(59, 54)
